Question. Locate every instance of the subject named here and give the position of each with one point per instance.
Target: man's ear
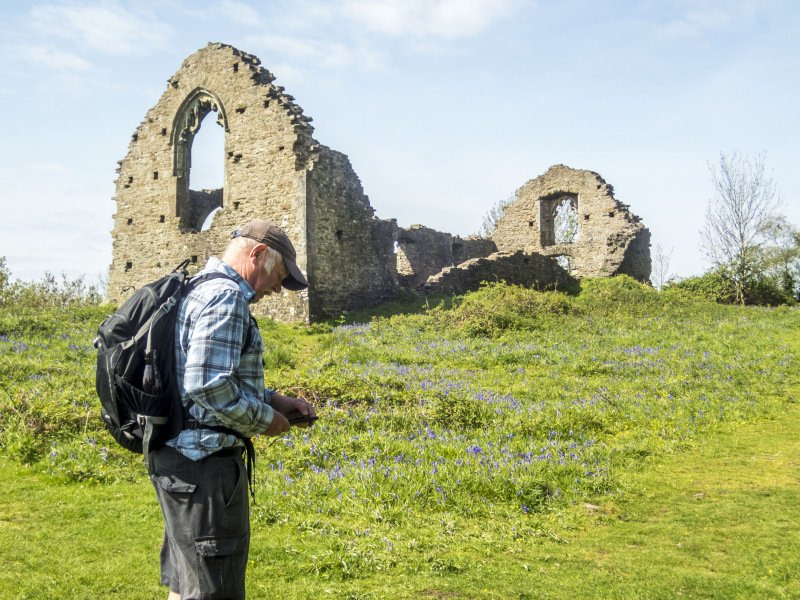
(256, 252)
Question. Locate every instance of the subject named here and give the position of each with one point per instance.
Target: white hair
(239, 247)
(236, 247)
(272, 260)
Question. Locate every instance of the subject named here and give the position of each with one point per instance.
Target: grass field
(613, 443)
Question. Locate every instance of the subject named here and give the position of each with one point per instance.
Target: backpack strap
(192, 423)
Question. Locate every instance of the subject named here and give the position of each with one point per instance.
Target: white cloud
(335, 33)
(56, 59)
(47, 167)
(322, 53)
(103, 25)
(239, 13)
(427, 18)
(708, 16)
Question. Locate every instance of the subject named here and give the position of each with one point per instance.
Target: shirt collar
(215, 264)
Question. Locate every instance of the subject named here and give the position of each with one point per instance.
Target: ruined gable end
(272, 170)
(572, 215)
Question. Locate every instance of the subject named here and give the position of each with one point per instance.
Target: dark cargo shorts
(206, 523)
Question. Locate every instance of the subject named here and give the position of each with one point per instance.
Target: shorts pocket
(221, 565)
(173, 484)
(236, 493)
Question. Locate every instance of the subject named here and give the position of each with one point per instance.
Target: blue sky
(443, 106)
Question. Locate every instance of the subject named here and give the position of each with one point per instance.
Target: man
(200, 476)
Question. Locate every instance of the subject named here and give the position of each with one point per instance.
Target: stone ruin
(598, 236)
(275, 169)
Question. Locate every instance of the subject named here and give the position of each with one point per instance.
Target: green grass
(610, 443)
(715, 522)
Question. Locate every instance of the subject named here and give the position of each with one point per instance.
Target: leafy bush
(617, 295)
(714, 286)
(711, 287)
(48, 292)
(498, 307)
(768, 292)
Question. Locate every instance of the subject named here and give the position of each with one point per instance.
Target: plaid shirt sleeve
(217, 376)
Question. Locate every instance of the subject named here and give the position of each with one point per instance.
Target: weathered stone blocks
(610, 239)
(275, 169)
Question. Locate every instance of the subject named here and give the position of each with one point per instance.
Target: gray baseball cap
(269, 233)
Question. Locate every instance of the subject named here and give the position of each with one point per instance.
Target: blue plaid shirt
(214, 369)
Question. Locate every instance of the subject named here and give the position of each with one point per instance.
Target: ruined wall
(201, 204)
(610, 239)
(472, 247)
(274, 169)
(351, 258)
(517, 267)
(268, 146)
(423, 252)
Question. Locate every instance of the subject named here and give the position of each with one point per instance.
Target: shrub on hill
(714, 286)
(48, 292)
(498, 307)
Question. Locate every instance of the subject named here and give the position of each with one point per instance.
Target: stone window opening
(199, 160)
(128, 265)
(564, 261)
(130, 221)
(566, 221)
(559, 220)
(161, 219)
(339, 234)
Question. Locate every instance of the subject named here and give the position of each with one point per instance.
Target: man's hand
(293, 408)
(278, 426)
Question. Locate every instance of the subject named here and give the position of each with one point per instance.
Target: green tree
(5, 281)
(780, 255)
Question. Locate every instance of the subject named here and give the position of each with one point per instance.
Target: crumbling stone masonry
(274, 169)
(423, 252)
(601, 238)
(520, 268)
(608, 238)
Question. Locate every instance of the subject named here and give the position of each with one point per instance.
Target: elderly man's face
(267, 282)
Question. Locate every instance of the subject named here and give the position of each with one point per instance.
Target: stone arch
(548, 217)
(192, 207)
(274, 169)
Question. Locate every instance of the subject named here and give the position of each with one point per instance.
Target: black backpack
(140, 421)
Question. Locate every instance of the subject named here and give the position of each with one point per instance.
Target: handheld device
(300, 420)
